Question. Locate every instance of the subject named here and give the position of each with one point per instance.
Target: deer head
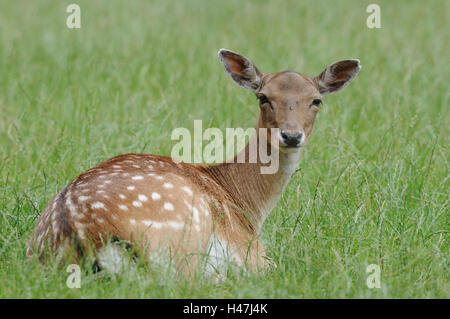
(288, 100)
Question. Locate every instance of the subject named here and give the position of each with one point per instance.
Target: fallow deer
(185, 211)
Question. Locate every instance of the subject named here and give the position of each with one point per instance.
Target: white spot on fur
(194, 210)
(187, 190)
(81, 234)
(168, 185)
(122, 196)
(131, 188)
(168, 206)
(142, 198)
(159, 225)
(137, 203)
(155, 196)
(123, 207)
(75, 214)
(82, 198)
(98, 205)
(138, 177)
(196, 214)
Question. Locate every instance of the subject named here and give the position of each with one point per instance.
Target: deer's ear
(241, 69)
(337, 76)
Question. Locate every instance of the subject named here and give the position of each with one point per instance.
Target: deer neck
(255, 194)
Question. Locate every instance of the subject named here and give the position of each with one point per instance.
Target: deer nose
(291, 139)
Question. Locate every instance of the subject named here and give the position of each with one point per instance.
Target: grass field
(372, 185)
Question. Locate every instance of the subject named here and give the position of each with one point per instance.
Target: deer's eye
(264, 100)
(316, 102)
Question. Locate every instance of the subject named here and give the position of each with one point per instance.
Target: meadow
(372, 186)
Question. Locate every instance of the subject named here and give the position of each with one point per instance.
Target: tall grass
(372, 186)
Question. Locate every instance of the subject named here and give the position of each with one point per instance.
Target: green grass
(372, 186)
